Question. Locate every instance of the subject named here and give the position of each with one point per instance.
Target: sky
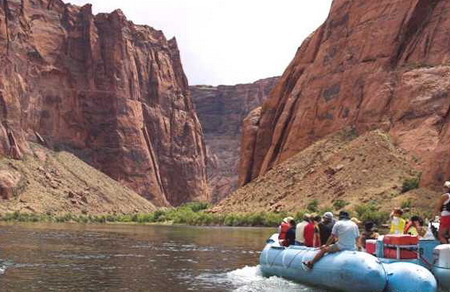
(227, 41)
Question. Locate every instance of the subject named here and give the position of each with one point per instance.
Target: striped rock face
(109, 91)
(221, 110)
(371, 65)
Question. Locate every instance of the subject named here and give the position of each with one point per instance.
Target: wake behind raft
(355, 271)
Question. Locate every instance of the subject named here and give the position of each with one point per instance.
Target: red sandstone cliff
(111, 92)
(221, 110)
(372, 64)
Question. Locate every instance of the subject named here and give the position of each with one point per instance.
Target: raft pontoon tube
(345, 271)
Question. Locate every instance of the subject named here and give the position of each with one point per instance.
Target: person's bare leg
(441, 234)
(316, 258)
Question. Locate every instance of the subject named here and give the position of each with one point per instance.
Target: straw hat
(355, 220)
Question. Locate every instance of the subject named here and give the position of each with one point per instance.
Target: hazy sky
(227, 41)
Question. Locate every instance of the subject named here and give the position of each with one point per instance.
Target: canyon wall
(111, 92)
(221, 110)
(371, 65)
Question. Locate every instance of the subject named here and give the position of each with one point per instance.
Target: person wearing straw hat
(443, 208)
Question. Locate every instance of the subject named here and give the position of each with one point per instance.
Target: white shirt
(445, 212)
(347, 232)
(300, 231)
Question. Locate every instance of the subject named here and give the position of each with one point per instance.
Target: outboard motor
(441, 265)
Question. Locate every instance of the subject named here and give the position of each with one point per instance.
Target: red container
(371, 246)
(400, 239)
(391, 253)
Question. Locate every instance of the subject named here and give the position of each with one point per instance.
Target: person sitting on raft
(414, 227)
(300, 230)
(312, 232)
(368, 233)
(283, 229)
(397, 222)
(345, 232)
(443, 208)
(290, 234)
(325, 227)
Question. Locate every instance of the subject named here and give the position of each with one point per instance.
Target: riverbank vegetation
(197, 214)
(190, 214)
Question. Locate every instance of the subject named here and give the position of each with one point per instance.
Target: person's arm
(421, 231)
(392, 214)
(333, 237)
(358, 239)
(359, 243)
(316, 240)
(331, 240)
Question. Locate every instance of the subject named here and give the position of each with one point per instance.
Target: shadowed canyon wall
(371, 65)
(109, 91)
(221, 111)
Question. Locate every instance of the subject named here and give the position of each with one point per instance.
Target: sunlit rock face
(111, 92)
(221, 111)
(372, 64)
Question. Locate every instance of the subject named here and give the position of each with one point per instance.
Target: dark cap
(344, 215)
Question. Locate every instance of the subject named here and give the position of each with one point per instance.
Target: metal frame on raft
(359, 271)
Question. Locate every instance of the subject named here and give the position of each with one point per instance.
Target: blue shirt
(347, 232)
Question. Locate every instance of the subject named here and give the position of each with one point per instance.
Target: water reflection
(74, 257)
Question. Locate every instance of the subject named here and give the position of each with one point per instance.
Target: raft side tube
(409, 277)
(345, 271)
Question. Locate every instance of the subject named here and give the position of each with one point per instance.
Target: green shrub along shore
(196, 214)
(190, 214)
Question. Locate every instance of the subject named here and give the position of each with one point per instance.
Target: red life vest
(284, 227)
(312, 238)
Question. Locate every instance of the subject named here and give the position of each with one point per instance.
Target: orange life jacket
(284, 227)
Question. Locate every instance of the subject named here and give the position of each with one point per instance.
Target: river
(77, 257)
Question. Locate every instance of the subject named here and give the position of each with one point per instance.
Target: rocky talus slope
(340, 167)
(221, 110)
(57, 183)
(371, 65)
(111, 92)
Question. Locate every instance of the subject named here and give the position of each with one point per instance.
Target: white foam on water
(250, 279)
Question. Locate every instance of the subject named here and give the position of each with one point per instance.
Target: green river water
(77, 257)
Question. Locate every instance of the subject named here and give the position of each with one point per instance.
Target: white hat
(287, 219)
(328, 215)
(447, 184)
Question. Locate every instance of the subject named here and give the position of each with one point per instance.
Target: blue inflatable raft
(354, 271)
